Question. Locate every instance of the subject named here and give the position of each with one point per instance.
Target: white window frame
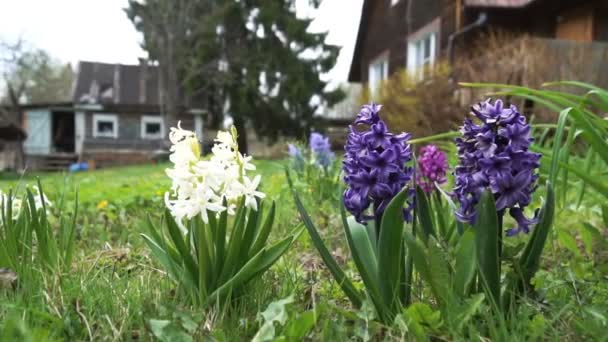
(375, 78)
(113, 118)
(146, 119)
(415, 48)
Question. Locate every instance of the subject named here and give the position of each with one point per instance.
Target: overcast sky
(99, 30)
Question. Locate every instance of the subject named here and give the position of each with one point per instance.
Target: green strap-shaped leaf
(264, 231)
(424, 214)
(530, 259)
(390, 250)
(417, 252)
(597, 183)
(465, 263)
(205, 268)
(180, 245)
(487, 246)
(364, 256)
(347, 286)
(234, 243)
(220, 238)
(257, 265)
(253, 222)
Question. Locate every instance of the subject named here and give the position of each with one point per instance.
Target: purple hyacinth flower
(378, 136)
(321, 150)
(383, 162)
(494, 154)
(432, 168)
(368, 114)
(296, 157)
(374, 166)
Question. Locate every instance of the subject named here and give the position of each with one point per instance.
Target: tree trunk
(239, 124)
(14, 95)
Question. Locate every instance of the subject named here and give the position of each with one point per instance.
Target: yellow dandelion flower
(102, 204)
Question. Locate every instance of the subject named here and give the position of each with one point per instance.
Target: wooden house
(397, 34)
(113, 118)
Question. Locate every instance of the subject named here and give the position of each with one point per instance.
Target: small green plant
(211, 256)
(28, 240)
(315, 170)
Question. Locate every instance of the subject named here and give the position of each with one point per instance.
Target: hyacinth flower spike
(213, 240)
(321, 150)
(374, 166)
(432, 168)
(379, 198)
(497, 174)
(495, 154)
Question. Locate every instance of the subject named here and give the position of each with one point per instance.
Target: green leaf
(264, 232)
(232, 262)
(390, 250)
(605, 215)
(440, 272)
(277, 311)
(530, 259)
(256, 265)
(424, 214)
(465, 263)
(183, 250)
(253, 222)
(487, 233)
(347, 286)
(557, 143)
(161, 255)
(220, 238)
(365, 259)
(597, 183)
(470, 308)
(419, 256)
(298, 328)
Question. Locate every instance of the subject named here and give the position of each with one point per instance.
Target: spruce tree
(257, 62)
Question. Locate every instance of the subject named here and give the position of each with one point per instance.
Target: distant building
(114, 118)
(398, 34)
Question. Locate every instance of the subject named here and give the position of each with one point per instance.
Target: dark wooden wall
(387, 29)
(129, 133)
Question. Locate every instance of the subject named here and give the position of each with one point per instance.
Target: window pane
(105, 127)
(153, 128)
(427, 47)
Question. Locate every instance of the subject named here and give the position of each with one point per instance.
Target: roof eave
(354, 74)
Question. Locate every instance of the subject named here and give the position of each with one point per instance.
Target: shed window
(152, 127)
(378, 72)
(105, 126)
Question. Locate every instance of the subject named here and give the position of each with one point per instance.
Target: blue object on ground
(79, 167)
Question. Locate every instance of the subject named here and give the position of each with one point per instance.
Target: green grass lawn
(115, 290)
(119, 186)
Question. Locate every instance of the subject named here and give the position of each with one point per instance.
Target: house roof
(116, 83)
(354, 74)
(498, 3)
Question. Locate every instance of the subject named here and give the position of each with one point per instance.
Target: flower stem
(501, 214)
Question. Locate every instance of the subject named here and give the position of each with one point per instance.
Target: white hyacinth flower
(200, 185)
(250, 191)
(16, 205)
(40, 199)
